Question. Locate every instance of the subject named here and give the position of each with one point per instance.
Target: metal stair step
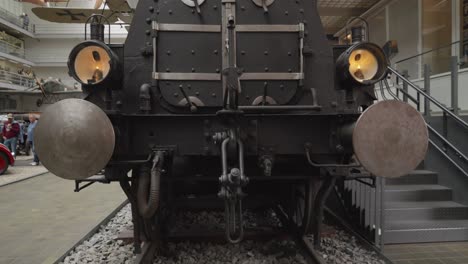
(397, 211)
(416, 177)
(426, 231)
(417, 192)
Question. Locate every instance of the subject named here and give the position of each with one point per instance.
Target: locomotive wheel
(4, 163)
(301, 209)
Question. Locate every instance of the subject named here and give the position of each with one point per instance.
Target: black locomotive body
(285, 70)
(226, 97)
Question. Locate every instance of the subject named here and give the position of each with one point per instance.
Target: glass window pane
(437, 32)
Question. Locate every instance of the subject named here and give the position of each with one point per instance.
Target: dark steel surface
(78, 134)
(390, 139)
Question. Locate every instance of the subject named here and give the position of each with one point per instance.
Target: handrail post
(454, 84)
(405, 87)
(427, 88)
(445, 129)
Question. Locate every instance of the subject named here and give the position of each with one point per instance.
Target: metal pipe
(382, 92)
(405, 87)
(430, 98)
(449, 158)
(454, 84)
(432, 50)
(427, 88)
(447, 143)
(150, 180)
(396, 95)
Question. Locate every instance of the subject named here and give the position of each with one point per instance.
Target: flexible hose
(150, 181)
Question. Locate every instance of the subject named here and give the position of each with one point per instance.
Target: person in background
(25, 21)
(32, 125)
(21, 135)
(10, 133)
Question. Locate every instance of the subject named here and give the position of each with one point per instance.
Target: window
(436, 33)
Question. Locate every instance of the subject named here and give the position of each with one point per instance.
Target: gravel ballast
(104, 247)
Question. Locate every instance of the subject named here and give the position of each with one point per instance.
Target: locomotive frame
(223, 97)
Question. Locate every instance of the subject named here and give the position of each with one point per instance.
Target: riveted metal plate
(390, 139)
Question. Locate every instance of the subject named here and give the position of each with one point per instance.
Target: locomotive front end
(244, 97)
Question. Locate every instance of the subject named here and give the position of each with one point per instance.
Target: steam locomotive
(243, 99)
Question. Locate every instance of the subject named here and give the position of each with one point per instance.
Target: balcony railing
(14, 19)
(8, 48)
(17, 79)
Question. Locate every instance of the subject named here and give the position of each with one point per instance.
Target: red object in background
(6, 159)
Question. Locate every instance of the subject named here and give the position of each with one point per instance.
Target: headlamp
(91, 62)
(363, 63)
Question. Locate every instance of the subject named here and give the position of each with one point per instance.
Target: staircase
(418, 209)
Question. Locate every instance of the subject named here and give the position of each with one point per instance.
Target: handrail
(17, 79)
(431, 129)
(449, 158)
(432, 50)
(12, 18)
(430, 98)
(9, 48)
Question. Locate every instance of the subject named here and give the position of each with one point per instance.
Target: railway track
(188, 243)
(305, 252)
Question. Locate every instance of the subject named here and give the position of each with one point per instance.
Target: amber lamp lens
(92, 64)
(363, 65)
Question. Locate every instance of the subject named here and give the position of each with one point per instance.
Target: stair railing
(428, 99)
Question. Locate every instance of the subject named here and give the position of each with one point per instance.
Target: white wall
(11, 6)
(49, 52)
(377, 25)
(403, 19)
